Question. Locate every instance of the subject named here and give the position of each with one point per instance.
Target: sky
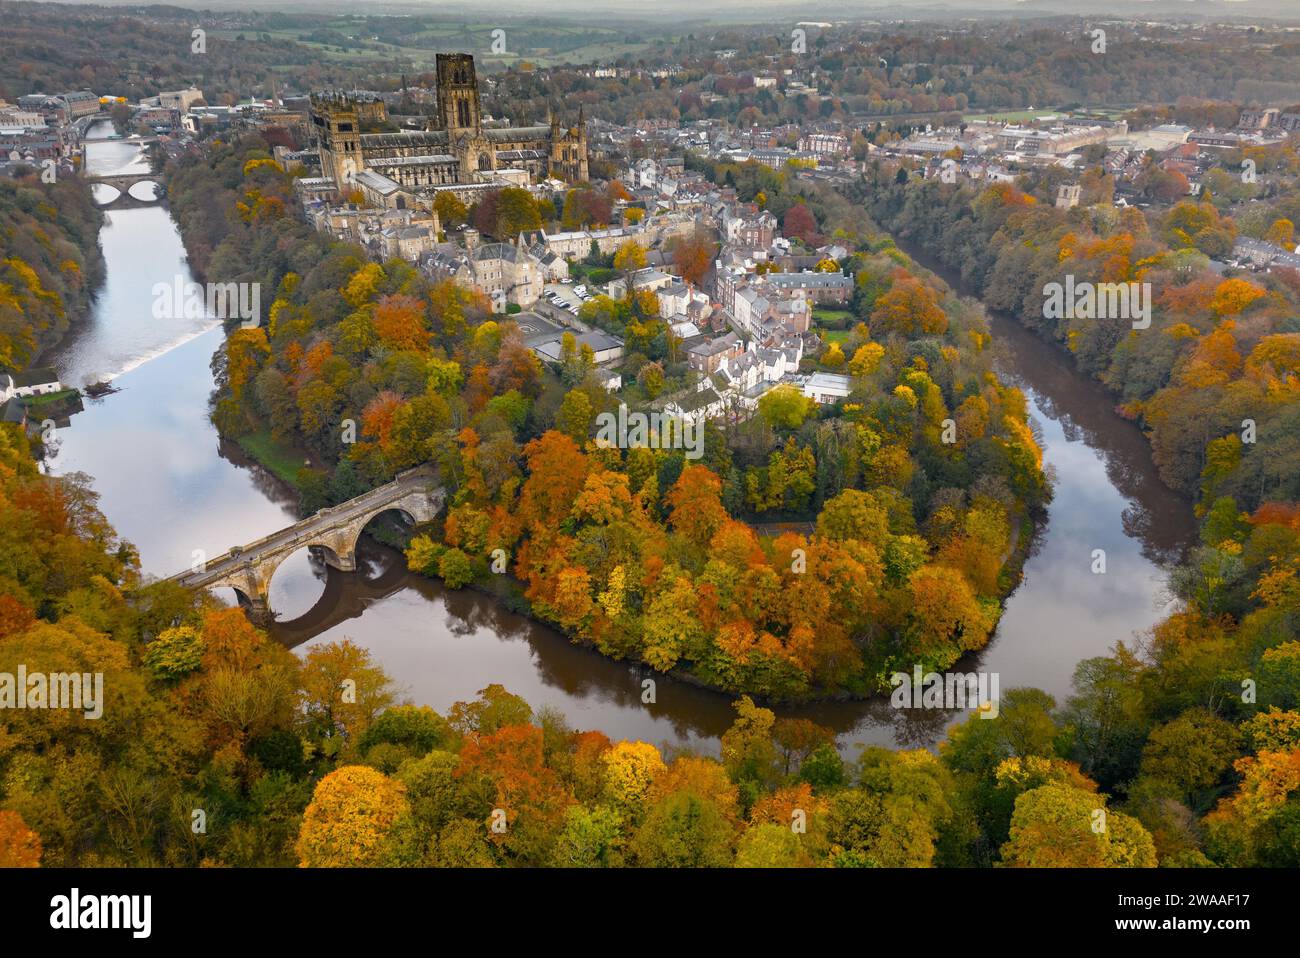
(763, 10)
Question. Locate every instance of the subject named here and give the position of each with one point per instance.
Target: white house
(827, 387)
(33, 382)
(673, 300)
(698, 406)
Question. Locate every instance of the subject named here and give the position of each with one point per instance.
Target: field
(282, 460)
(833, 324)
(524, 42)
(1012, 116)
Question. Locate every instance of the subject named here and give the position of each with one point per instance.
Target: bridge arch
(332, 533)
(125, 185)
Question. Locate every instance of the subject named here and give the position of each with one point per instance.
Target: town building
(507, 273)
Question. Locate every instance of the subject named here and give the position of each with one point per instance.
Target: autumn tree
(910, 308)
(799, 223)
(451, 211)
(629, 257)
(343, 691)
(20, 847)
(1059, 826)
(692, 256)
(351, 816)
(695, 504)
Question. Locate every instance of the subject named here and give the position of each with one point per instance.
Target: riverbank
(53, 268)
(281, 459)
(505, 588)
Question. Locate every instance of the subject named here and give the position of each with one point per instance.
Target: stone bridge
(122, 182)
(333, 531)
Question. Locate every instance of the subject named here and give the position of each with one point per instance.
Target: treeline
(858, 72)
(57, 47)
(1207, 702)
(1214, 380)
(50, 263)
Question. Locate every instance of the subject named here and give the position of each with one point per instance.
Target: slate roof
(426, 159)
(510, 134)
(403, 140)
(36, 376)
(504, 251)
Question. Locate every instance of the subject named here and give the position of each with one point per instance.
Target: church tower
(458, 104)
(568, 149)
(338, 136)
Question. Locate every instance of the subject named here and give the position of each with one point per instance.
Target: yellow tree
(245, 351)
(1060, 826)
(350, 818)
(629, 256)
(1281, 233)
(1233, 295)
(343, 689)
(630, 769)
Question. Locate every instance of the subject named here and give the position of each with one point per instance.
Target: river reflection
(442, 646)
(173, 488)
(141, 248)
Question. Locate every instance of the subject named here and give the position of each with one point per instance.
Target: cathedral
(454, 152)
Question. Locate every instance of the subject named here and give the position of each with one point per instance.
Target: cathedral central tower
(458, 104)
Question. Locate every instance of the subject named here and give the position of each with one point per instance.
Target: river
(173, 488)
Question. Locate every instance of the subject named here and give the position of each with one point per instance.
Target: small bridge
(334, 531)
(122, 182)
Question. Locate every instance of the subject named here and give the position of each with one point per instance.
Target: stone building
(507, 273)
(456, 148)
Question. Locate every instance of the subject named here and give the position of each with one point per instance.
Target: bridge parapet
(334, 530)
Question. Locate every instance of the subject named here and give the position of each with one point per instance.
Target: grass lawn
(828, 316)
(282, 459)
(1012, 116)
(835, 335)
(46, 398)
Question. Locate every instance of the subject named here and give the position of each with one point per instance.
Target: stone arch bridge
(333, 531)
(122, 182)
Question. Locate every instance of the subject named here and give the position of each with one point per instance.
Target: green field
(1012, 116)
(46, 399)
(281, 459)
(540, 46)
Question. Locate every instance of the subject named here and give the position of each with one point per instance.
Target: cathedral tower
(338, 135)
(458, 105)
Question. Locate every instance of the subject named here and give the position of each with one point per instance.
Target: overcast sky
(763, 10)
